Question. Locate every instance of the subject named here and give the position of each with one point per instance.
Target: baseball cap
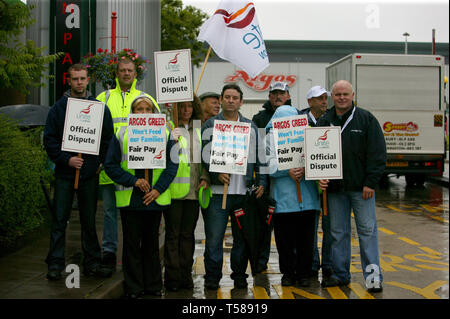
(208, 94)
(282, 86)
(316, 91)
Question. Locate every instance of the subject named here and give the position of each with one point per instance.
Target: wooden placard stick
(203, 70)
(77, 174)
(299, 193)
(146, 175)
(224, 198)
(324, 194)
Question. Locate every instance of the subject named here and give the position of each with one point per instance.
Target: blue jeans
(110, 218)
(62, 207)
(216, 220)
(340, 206)
(326, 244)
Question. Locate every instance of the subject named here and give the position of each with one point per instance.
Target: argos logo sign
(261, 82)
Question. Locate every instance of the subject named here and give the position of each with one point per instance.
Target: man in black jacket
(363, 159)
(66, 164)
(278, 95)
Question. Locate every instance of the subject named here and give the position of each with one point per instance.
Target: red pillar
(113, 32)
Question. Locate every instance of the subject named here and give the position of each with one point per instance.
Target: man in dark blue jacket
(215, 217)
(363, 160)
(66, 164)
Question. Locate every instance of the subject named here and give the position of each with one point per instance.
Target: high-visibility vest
(123, 194)
(179, 187)
(119, 107)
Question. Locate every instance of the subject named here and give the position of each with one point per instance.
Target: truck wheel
(415, 180)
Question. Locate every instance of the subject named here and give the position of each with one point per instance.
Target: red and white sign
(323, 153)
(289, 134)
(83, 126)
(147, 141)
(173, 76)
(230, 147)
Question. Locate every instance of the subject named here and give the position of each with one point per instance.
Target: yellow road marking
(288, 292)
(430, 251)
(386, 231)
(224, 293)
(336, 293)
(360, 291)
(409, 241)
(260, 293)
(427, 292)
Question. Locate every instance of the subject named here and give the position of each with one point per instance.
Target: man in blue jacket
(363, 160)
(66, 164)
(215, 217)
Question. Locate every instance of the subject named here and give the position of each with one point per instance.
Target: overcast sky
(350, 20)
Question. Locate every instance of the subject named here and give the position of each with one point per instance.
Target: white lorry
(406, 94)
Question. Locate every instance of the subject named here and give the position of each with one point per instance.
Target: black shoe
(375, 289)
(54, 274)
(99, 271)
(333, 282)
(109, 260)
(156, 293)
(211, 285)
(133, 295)
(172, 288)
(287, 280)
(240, 283)
(303, 282)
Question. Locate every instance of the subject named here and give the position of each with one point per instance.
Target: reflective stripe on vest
(179, 187)
(123, 194)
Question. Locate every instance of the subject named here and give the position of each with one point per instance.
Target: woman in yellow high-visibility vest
(141, 204)
(181, 218)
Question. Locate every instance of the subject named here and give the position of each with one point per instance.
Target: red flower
(99, 50)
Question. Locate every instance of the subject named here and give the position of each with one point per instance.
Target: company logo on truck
(407, 127)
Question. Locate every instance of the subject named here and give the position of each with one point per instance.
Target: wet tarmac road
(413, 242)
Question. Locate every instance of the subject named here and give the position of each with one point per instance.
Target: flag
(235, 35)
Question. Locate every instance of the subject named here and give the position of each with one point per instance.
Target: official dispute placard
(83, 126)
(173, 76)
(323, 153)
(147, 140)
(230, 147)
(289, 138)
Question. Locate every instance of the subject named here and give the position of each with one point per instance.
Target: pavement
(23, 273)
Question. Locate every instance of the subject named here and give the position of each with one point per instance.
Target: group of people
(144, 196)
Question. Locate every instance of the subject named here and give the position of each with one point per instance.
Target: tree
(21, 64)
(180, 27)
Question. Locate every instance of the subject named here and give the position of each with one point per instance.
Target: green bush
(22, 164)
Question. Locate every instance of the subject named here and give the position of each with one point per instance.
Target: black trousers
(179, 245)
(294, 237)
(140, 261)
(62, 208)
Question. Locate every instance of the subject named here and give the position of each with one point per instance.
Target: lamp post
(406, 35)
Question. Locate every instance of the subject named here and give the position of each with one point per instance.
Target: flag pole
(203, 70)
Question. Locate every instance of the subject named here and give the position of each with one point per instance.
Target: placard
(83, 126)
(323, 153)
(230, 146)
(173, 76)
(289, 138)
(147, 140)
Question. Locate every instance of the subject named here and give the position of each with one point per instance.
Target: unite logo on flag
(245, 20)
(234, 33)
